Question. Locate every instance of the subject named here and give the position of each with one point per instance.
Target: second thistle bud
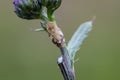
(51, 6)
(28, 9)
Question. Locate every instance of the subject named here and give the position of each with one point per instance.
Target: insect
(55, 33)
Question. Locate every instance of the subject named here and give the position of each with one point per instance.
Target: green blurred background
(27, 55)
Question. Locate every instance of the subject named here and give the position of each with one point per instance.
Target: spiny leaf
(78, 37)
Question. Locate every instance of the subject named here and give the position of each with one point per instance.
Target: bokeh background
(27, 55)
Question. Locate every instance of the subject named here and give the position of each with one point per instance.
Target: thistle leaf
(78, 38)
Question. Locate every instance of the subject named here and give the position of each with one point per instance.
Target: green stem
(51, 16)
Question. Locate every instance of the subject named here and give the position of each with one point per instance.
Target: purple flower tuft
(16, 2)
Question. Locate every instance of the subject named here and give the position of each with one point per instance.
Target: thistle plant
(44, 11)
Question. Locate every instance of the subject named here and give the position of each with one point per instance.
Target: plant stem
(64, 63)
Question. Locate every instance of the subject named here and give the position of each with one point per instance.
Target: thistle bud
(53, 4)
(28, 9)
